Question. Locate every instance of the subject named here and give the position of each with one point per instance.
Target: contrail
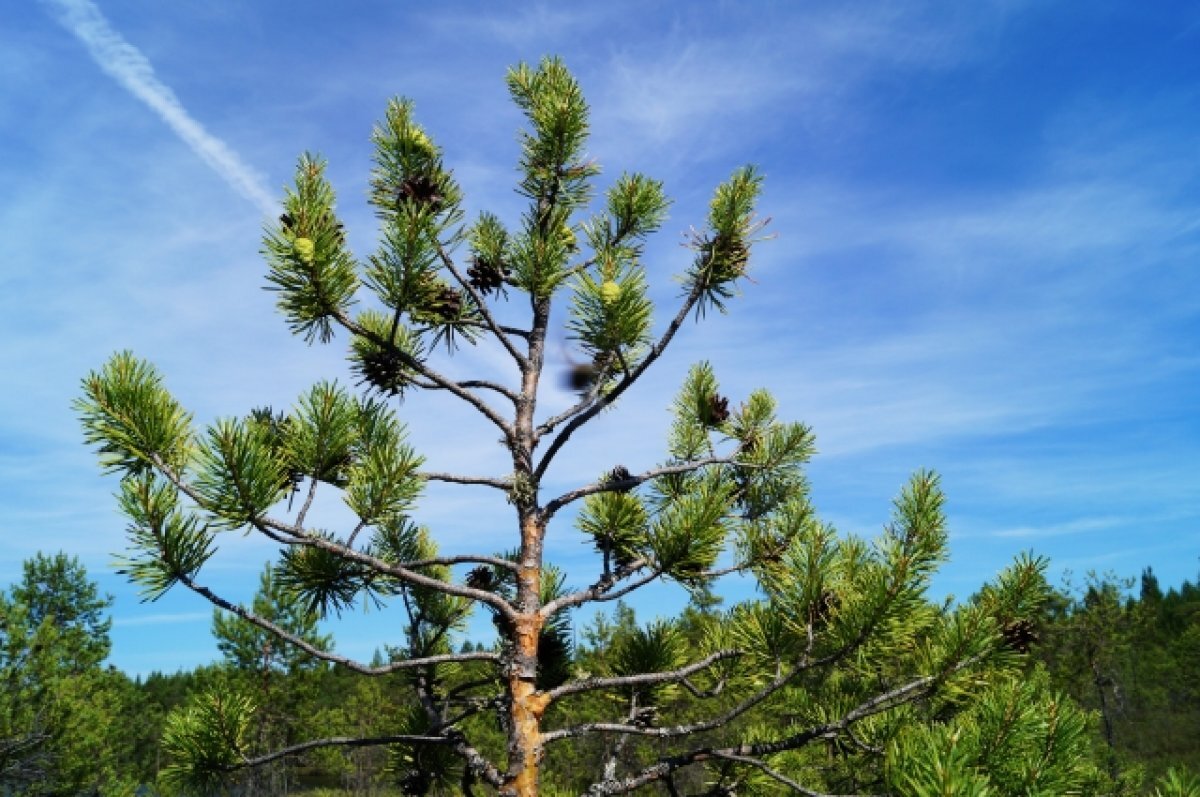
(126, 64)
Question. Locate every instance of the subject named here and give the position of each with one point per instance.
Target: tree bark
(526, 703)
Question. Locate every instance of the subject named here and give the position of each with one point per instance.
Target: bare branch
(482, 384)
(703, 694)
(341, 741)
(602, 590)
(586, 414)
(860, 744)
(324, 655)
(547, 426)
(476, 762)
(725, 571)
(769, 772)
(642, 679)
(633, 481)
(610, 766)
(463, 559)
(401, 571)
(778, 682)
(308, 500)
(483, 309)
(520, 333)
(485, 384)
(910, 691)
(454, 478)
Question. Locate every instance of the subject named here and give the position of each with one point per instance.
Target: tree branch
(778, 682)
(298, 536)
(633, 481)
(400, 571)
(642, 679)
(519, 333)
(340, 741)
(586, 414)
(769, 772)
(308, 500)
(476, 762)
(463, 559)
(485, 384)
(324, 655)
(913, 690)
(499, 333)
(482, 384)
(441, 381)
(600, 591)
(454, 478)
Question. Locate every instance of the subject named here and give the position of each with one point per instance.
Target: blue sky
(986, 263)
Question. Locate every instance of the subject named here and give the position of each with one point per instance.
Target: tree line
(1123, 666)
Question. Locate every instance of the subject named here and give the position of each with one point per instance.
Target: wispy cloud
(1078, 526)
(125, 63)
(165, 618)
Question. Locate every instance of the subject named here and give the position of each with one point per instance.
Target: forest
(1127, 654)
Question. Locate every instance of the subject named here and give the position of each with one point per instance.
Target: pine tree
(280, 677)
(840, 651)
(56, 700)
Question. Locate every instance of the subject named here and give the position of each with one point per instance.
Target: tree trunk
(527, 704)
(525, 732)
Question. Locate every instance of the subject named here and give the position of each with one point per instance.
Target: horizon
(986, 227)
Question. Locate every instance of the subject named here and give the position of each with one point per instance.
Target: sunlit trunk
(527, 704)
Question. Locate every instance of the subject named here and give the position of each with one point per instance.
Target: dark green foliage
(325, 582)
(205, 739)
(383, 356)
(555, 653)
(55, 591)
(489, 255)
(617, 523)
(1134, 662)
(60, 710)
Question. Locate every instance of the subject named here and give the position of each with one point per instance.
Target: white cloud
(1077, 526)
(167, 618)
(129, 67)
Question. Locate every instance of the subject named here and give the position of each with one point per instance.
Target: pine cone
(717, 410)
(383, 369)
(420, 189)
(481, 577)
(486, 277)
(1019, 635)
(446, 303)
(609, 292)
(305, 250)
(619, 474)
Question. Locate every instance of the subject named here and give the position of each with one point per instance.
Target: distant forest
(1125, 650)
